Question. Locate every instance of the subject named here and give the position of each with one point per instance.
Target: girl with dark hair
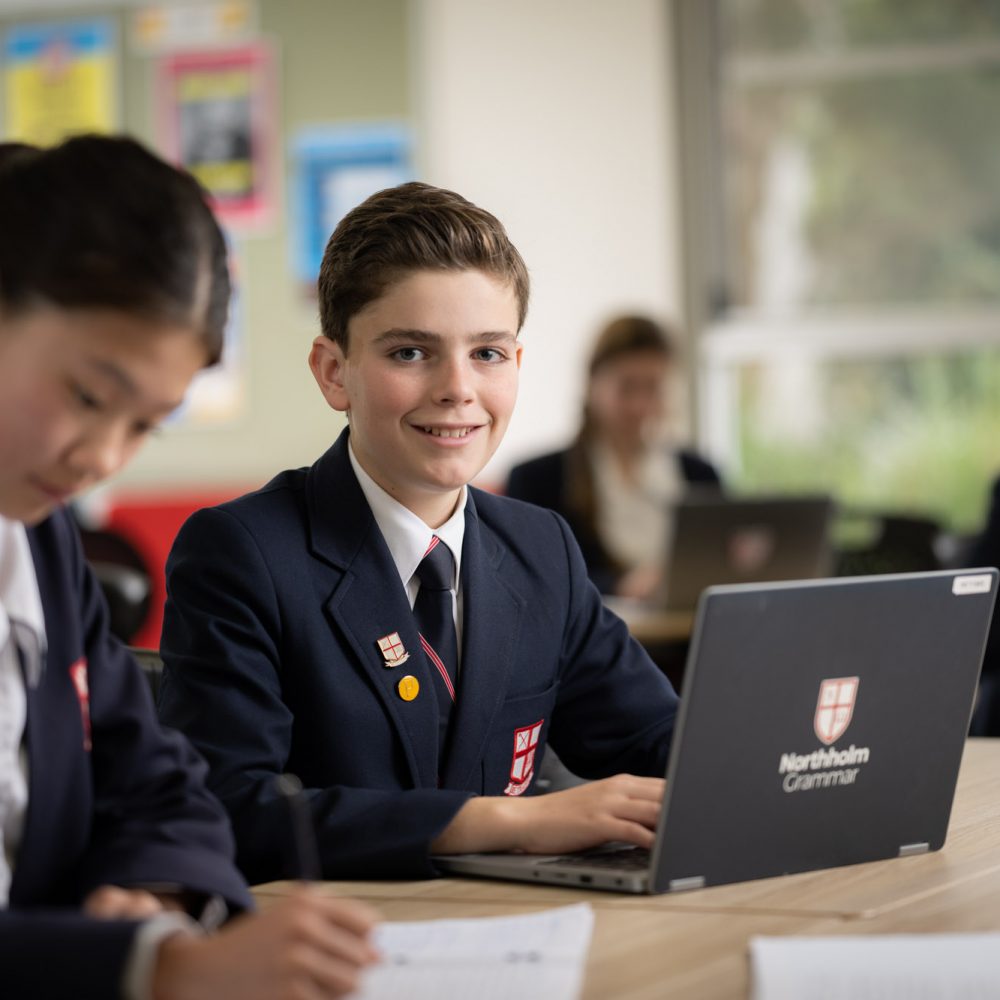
(114, 289)
(617, 481)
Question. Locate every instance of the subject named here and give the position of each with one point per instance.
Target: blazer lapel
(369, 603)
(491, 627)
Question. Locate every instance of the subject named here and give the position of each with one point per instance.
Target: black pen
(307, 853)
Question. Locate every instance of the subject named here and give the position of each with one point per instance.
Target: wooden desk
(695, 944)
(652, 627)
(649, 625)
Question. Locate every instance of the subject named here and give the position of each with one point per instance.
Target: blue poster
(334, 169)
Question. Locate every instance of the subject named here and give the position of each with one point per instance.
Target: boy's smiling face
(429, 380)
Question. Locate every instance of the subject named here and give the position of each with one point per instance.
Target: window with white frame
(845, 231)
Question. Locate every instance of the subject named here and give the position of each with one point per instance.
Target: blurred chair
(896, 543)
(900, 544)
(124, 579)
(152, 667)
(955, 549)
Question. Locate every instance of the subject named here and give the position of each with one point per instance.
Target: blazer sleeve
(616, 708)
(154, 819)
(62, 953)
(985, 551)
(225, 667)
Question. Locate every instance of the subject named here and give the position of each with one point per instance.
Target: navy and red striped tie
(435, 616)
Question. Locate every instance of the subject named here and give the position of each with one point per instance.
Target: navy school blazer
(276, 603)
(985, 551)
(113, 797)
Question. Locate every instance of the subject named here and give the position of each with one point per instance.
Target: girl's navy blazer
(113, 798)
(276, 603)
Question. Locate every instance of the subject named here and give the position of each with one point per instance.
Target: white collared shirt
(22, 623)
(408, 538)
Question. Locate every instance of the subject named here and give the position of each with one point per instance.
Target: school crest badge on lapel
(78, 675)
(392, 649)
(522, 767)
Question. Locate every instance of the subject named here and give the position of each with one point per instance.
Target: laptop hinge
(681, 884)
(908, 850)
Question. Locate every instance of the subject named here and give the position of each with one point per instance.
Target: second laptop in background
(722, 541)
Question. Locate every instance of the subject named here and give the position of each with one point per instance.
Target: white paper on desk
(877, 967)
(488, 958)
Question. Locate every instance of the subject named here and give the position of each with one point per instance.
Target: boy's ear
(326, 361)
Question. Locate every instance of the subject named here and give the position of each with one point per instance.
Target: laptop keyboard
(627, 858)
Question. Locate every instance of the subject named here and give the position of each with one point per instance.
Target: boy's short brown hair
(411, 227)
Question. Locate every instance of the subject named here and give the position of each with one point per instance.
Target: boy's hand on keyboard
(623, 808)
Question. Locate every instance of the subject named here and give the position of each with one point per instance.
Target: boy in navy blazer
(297, 633)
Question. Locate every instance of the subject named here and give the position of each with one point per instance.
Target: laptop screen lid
(822, 723)
(716, 540)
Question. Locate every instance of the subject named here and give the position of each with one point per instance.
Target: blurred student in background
(617, 481)
(114, 290)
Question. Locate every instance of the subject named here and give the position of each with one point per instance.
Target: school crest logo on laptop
(834, 707)
(750, 548)
(522, 767)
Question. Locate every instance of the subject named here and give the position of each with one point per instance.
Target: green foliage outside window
(920, 436)
(901, 207)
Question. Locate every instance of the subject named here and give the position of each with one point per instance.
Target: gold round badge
(408, 687)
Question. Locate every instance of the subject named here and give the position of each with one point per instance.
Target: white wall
(558, 116)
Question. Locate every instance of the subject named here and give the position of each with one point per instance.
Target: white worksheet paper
(877, 967)
(487, 958)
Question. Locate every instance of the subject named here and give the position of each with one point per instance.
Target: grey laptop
(821, 724)
(717, 540)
